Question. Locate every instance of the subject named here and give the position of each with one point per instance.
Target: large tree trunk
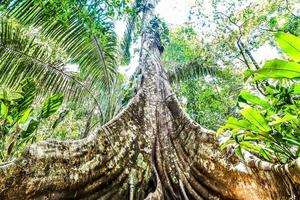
(151, 150)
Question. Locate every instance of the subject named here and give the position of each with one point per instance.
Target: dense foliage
(66, 47)
(70, 48)
(208, 93)
(19, 119)
(211, 99)
(269, 123)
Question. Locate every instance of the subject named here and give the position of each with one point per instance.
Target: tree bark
(151, 150)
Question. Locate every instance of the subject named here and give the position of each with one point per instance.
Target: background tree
(233, 30)
(207, 92)
(269, 124)
(20, 120)
(45, 39)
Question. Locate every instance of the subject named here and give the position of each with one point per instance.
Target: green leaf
(255, 118)
(297, 89)
(234, 123)
(25, 115)
(249, 146)
(248, 97)
(256, 138)
(29, 127)
(9, 96)
(226, 144)
(295, 142)
(247, 74)
(15, 96)
(290, 44)
(286, 118)
(28, 90)
(4, 95)
(24, 55)
(4, 110)
(51, 105)
(10, 119)
(278, 69)
(264, 154)
(238, 151)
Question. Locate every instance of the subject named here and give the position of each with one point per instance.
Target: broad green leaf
(247, 74)
(255, 118)
(10, 119)
(4, 110)
(295, 142)
(9, 96)
(232, 123)
(257, 138)
(236, 125)
(264, 154)
(51, 105)
(290, 44)
(249, 146)
(287, 117)
(28, 90)
(248, 97)
(25, 116)
(278, 69)
(249, 133)
(29, 127)
(225, 144)
(238, 151)
(254, 148)
(4, 95)
(14, 96)
(297, 89)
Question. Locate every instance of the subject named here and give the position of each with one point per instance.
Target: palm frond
(24, 55)
(131, 27)
(79, 42)
(190, 71)
(111, 102)
(127, 40)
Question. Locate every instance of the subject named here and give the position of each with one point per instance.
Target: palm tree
(36, 44)
(150, 150)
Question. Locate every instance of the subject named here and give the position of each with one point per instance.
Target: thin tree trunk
(150, 150)
(241, 48)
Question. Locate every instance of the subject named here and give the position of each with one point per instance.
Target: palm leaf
(94, 52)
(190, 71)
(131, 27)
(24, 55)
(127, 40)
